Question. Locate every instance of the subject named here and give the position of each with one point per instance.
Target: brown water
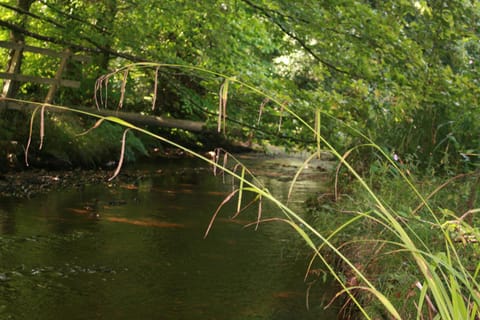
(135, 250)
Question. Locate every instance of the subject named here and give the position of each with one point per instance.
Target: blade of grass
(240, 190)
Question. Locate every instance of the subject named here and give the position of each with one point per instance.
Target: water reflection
(136, 251)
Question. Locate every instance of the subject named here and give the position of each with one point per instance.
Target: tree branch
(73, 17)
(98, 49)
(268, 13)
(28, 13)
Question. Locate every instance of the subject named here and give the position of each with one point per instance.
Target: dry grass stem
(260, 111)
(155, 88)
(96, 125)
(224, 165)
(440, 187)
(122, 156)
(30, 132)
(42, 126)
(98, 89)
(259, 212)
(431, 307)
(226, 200)
(122, 88)
(222, 106)
(248, 205)
(216, 157)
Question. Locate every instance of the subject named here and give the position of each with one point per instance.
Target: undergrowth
(370, 245)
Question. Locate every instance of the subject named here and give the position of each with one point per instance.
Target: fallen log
(134, 118)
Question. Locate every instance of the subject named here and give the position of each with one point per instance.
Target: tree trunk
(134, 118)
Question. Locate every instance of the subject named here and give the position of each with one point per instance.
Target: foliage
(65, 144)
(371, 245)
(405, 73)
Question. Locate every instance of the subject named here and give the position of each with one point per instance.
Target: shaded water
(135, 250)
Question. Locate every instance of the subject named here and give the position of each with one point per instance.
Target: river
(135, 249)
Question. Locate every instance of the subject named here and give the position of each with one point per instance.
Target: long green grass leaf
(240, 190)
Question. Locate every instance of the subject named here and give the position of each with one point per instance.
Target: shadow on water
(135, 250)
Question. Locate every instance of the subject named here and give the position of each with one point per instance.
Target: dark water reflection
(136, 251)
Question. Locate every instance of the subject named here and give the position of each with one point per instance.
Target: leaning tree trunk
(14, 65)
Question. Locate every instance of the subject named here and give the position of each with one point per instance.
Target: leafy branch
(271, 15)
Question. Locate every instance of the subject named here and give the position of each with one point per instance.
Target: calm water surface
(135, 250)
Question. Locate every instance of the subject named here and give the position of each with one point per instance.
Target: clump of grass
(447, 244)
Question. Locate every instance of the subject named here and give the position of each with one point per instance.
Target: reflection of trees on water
(7, 217)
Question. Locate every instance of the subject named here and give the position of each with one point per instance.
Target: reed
(447, 288)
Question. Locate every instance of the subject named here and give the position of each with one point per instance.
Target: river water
(135, 249)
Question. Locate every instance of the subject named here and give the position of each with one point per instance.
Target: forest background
(405, 73)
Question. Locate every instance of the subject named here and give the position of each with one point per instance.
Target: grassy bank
(443, 231)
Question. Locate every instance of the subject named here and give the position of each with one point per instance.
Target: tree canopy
(403, 72)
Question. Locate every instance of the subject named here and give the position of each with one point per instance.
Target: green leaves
(381, 66)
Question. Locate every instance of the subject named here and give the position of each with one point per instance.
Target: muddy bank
(45, 176)
(30, 183)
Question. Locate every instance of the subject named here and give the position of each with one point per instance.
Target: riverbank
(445, 233)
(44, 176)
(34, 182)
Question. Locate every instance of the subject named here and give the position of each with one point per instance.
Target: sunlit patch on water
(145, 222)
(288, 294)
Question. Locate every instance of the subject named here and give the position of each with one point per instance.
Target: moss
(67, 143)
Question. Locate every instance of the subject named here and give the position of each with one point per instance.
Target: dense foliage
(404, 72)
